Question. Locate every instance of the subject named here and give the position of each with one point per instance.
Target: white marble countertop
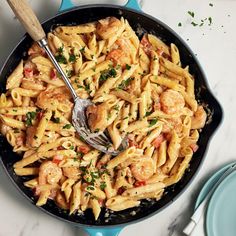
(215, 48)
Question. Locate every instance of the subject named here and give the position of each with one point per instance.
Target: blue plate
(221, 213)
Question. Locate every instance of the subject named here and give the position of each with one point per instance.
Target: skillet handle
(67, 4)
(103, 231)
(28, 19)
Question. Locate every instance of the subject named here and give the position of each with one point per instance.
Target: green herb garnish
(29, 117)
(152, 122)
(56, 120)
(127, 67)
(61, 59)
(191, 13)
(72, 58)
(125, 83)
(194, 24)
(82, 49)
(107, 74)
(67, 126)
(103, 185)
(180, 24)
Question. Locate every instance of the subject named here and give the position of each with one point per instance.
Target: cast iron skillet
(146, 23)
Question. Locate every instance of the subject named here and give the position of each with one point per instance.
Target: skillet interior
(138, 21)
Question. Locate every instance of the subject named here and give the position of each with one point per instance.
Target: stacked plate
(221, 212)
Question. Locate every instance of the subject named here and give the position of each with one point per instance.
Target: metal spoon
(79, 120)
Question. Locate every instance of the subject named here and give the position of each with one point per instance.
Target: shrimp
(171, 101)
(174, 123)
(120, 54)
(51, 98)
(143, 169)
(108, 27)
(72, 172)
(199, 118)
(49, 173)
(36, 50)
(96, 116)
(30, 134)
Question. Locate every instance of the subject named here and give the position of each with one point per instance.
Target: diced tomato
(157, 142)
(147, 46)
(120, 190)
(194, 147)
(28, 72)
(40, 115)
(100, 201)
(53, 74)
(57, 159)
(139, 183)
(84, 149)
(60, 148)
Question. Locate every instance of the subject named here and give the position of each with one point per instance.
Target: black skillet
(143, 23)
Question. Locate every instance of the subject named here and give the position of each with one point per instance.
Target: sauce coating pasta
(139, 90)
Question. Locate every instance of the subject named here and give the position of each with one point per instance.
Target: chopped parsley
(148, 113)
(67, 126)
(125, 83)
(180, 24)
(61, 59)
(210, 20)
(194, 24)
(56, 120)
(116, 107)
(60, 50)
(69, 73)
(29, 117)
(211, 4)
(152, 122)
(72, 147)
(127, 67)
(90, 187)
(107, 74)
(191, 13)
(72, 58)
(103, 185)
(82, 49)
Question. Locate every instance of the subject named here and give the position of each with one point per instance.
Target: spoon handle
(27, 18)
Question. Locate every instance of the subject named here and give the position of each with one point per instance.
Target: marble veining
(215, 48)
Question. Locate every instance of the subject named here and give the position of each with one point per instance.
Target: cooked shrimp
(171, 101)
(72, 172)
(107, 27)
(36, 50)
(96, 116)
(120, 54)
(49, 173)
(30, 133)
(51, 98)
(174, 123)
(199, 118)
(143, 169)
